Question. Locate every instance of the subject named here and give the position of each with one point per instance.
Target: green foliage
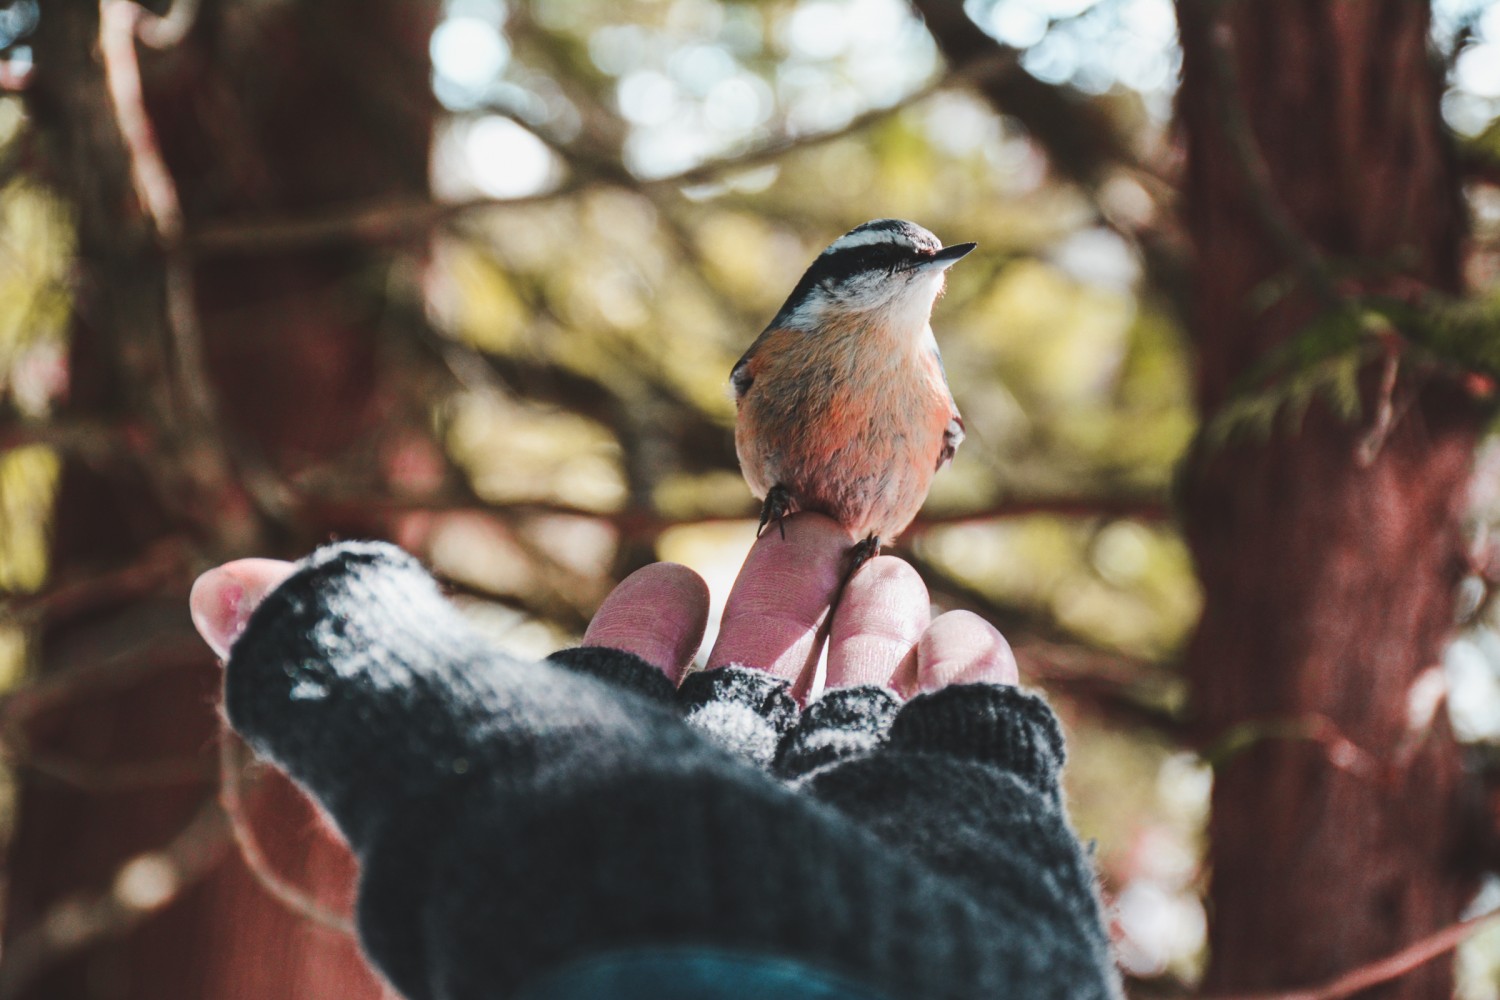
(28, 477)
(35, 249)
(35, 244)
(1325, 359)
(1462, 334)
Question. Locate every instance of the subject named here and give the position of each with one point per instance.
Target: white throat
(908, 314)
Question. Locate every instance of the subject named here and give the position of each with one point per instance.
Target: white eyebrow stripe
(868, 237)
(896, 233)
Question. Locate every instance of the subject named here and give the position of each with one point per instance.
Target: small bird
(843, 404)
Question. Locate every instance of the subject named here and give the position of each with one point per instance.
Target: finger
(962, 648)
(884, 611)
(781, 597)
(222, 598)
(658, 613)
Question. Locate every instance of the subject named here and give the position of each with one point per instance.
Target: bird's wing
(953, 436)
(953, 433)
(742, 375)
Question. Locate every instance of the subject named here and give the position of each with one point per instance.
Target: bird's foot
(777, 506)
(862, 553)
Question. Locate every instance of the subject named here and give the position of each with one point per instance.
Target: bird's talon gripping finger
(863, 552)
(777, 506)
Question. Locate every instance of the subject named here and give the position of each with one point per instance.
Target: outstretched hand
(882, 631)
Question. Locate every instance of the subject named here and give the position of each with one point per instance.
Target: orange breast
(850, 426)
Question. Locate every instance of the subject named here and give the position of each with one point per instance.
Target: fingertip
(781, 596)
(659, 613)
(806, 537)
(962, 648)
(223, 598)
(882, 614)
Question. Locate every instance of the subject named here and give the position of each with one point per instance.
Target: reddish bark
(1328, 584)
(270, 112)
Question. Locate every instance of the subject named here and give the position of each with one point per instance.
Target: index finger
(776, 609)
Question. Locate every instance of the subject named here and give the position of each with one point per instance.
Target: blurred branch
(1337, 749)
(397, 220)
(232, 762)
(1381, 970)
(206, 462)
(97, 677)
(581, 83)
(141, 887)
(655, 409)
(1115, 684)
(373, 223)
(1386, 409)
(158, 565)
(1110, 684)
(1078, 134)
(86, 438)
(980, 70)
(354, 508)
(103, 778)
(153, 181)
(1143, 508)
(168, 31)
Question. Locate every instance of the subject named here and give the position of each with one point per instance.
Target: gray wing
(740, 376)
(953, 434)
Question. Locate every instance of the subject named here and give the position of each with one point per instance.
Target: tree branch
(159, 565)
(364, 508)
(90, 439)
(398, 220)
(94, 677)
(1382, 970)
(206, 462)
(1114, 684)
(1078, 134)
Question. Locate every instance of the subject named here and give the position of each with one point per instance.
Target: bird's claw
(777, 506)
(863, 552)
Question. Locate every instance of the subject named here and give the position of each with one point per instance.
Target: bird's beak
(947, 257)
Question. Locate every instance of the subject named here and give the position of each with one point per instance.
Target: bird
(842, 403)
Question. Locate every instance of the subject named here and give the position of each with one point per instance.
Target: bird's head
(891, 269)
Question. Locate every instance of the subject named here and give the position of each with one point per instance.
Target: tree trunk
(124, 882)
(1330, 552)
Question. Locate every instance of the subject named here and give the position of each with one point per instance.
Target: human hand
(882, 632)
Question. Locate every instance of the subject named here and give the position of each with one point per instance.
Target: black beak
(948, 256)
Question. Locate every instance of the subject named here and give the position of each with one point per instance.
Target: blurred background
(471, 275)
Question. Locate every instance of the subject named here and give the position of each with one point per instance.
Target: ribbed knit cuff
(842, 723)
(619, 668)
(995, 723)
(746, 711)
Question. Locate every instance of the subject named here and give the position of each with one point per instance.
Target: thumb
(223, 598)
